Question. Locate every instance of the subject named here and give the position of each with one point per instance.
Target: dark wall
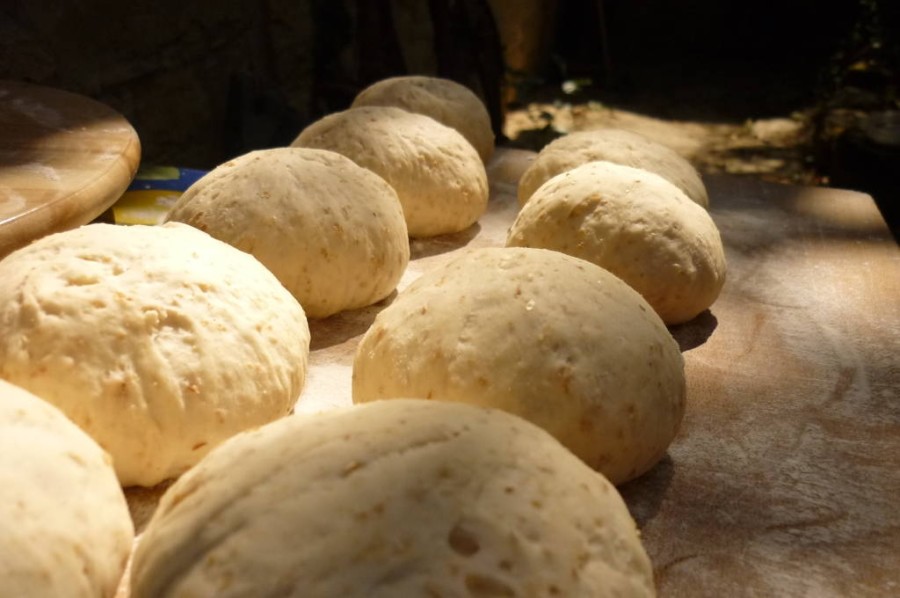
(181, 72)
(205, 80)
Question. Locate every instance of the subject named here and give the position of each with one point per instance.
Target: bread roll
(396, 498)
(637, 225)
(612, 145)
(332, 232)
(66, 530)
(159, 341)
(446, 101)
(437, 174)
(549, 337)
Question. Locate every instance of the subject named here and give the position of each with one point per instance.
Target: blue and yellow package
(151, 194)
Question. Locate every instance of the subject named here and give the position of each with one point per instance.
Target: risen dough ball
(332, 232)
(612, 145)
(436, 173)
(159, 341)
(635, 224)
(397, 498)
(66, 529)
(554, 339)
(446, 101)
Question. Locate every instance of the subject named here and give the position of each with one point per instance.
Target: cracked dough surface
(159, 341)
(332, 232)
(444, 100)
(635, 224)
(437, 174)
(549, 337)
(612, 145)
(66, 529)
(393, 498)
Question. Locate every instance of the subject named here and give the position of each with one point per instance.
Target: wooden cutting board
(64, 159)
(785, 477)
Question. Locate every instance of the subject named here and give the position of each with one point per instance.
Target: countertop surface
(785, 477)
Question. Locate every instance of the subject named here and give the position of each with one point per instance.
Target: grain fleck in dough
(611, 145)
(159, 341)
(332, 232)
(66, 530)
(446, 101)
(635, 224)
(549, 337)
(394, 498)
(437, 174)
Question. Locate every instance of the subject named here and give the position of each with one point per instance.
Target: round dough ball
(396, 498)
(332, 232)
(635, 224)
(448, 102)
(159, 341)
(437, 174)
(611, 145)
(551, 338)
(67, 531)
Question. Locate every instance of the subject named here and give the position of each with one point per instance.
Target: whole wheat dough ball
(395, 498)
(549, 337)
(611, 145)
(159, 341)
(332, 232)
(637, 225)
(448, 102)
(437, 174)
(65, 526)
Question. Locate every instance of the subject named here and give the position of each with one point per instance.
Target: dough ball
(551, 338)
(446, 101)
(159, 341)
(396, 498)
(635, 224)
(66, 529)
(332, 232)
(437, 174)
(612, 145)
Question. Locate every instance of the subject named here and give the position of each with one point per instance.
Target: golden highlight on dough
(331, 231)
(66, 529)
(394, 498)
(637, 225)
(549, 337)
(159, 341)
(437, 174)
(446, 101)
(612, 145)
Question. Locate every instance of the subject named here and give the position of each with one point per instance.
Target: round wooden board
(64, 159)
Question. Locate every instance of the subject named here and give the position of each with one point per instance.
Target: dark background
(205, 81)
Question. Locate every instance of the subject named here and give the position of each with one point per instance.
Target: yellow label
(158, 173)
(144, 207)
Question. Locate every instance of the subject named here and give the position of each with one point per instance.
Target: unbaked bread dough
(549, 337)
(446, 101)
(437, 174)
(395, 498)
(159, 341)
(637, 225)
(332, 232)
(612, 145)
(66, 529)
